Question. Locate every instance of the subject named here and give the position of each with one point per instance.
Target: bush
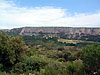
(54, 68)
(91, 58)
(1, 67)
(31, 64)
(12, 50)
(75, 68)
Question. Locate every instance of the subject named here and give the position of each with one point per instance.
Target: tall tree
(11, 50)
(91, 58)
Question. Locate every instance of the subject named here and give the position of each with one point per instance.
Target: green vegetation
(95, 38)
(92, 54)
(39, 56)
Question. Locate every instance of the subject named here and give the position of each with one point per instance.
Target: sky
(49, 13)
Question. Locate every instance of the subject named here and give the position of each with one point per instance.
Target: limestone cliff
(66, 30)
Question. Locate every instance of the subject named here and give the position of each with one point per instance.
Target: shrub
(91, 58)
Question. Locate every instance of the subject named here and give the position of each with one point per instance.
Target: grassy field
(75, 41)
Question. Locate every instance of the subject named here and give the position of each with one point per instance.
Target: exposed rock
(64, 30)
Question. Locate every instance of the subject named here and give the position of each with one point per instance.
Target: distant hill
(60, 30)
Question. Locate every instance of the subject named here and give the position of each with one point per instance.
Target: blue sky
(35, 13)
(80, 6)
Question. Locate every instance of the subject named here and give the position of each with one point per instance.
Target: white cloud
(13, 16)
(3, 27)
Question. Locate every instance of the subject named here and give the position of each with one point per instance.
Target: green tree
(91, 58)
(12, 49)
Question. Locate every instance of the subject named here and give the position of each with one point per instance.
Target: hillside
(64, 30)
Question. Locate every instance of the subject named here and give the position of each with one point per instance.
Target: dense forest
(25, 55)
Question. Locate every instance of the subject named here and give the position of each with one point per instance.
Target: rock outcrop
(64, 30)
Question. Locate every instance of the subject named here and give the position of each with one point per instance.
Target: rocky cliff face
(65, 30)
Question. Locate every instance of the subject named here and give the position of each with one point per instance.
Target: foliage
(41, 56)
(12, 49)
(54, 68)
(91, 38)
(1, 67)
(31, 64)
(91, 58)
(50, 43)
